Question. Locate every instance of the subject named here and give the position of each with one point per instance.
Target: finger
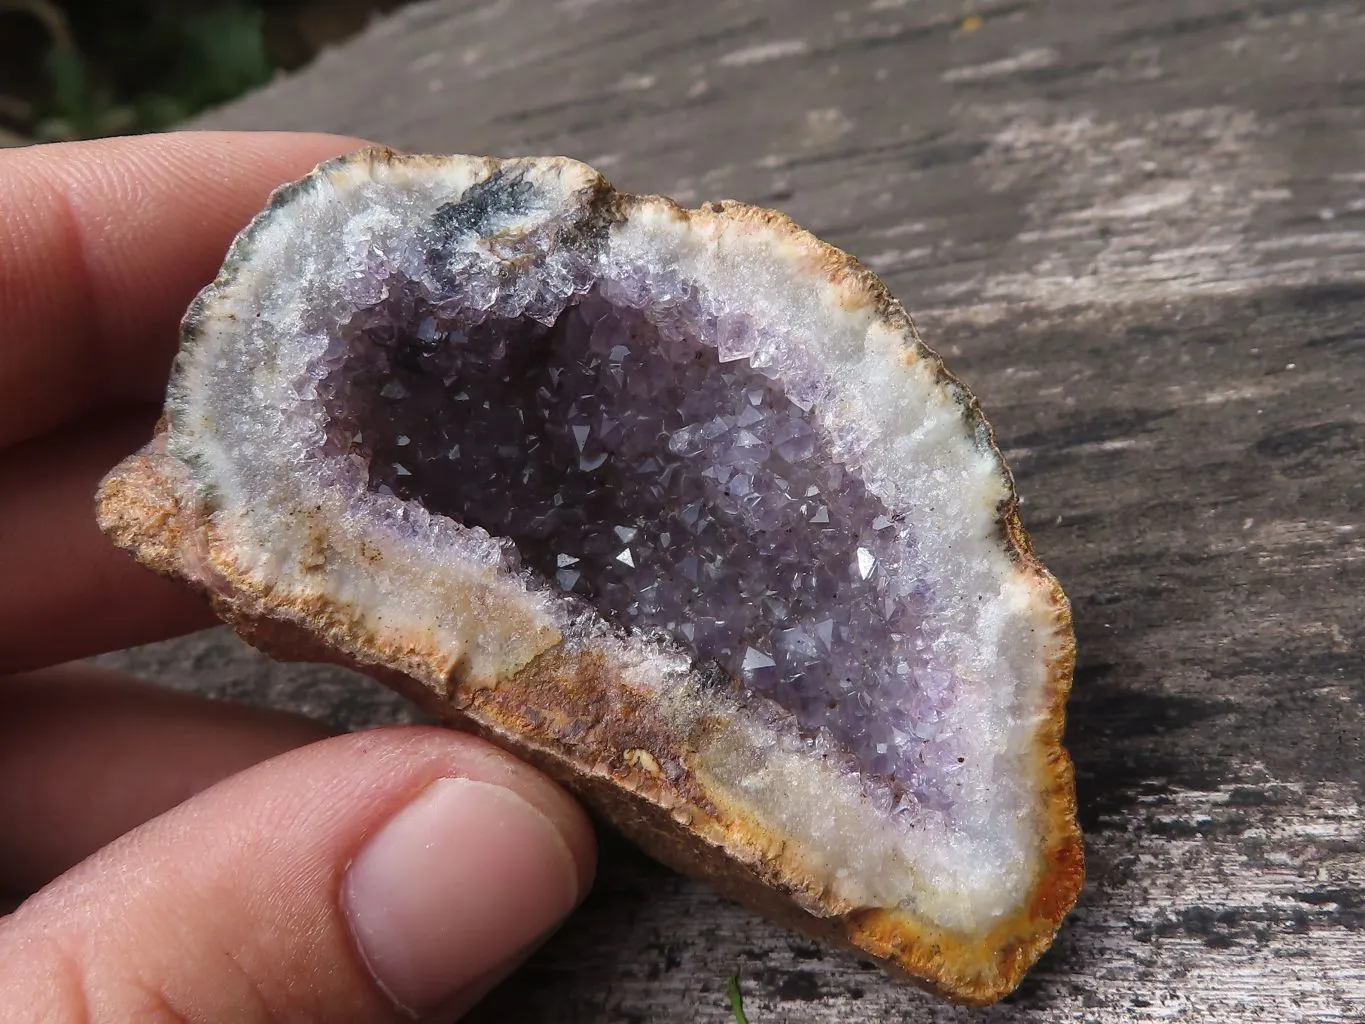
(87, 754)
(67, 591)
(339, 882)
(102, 246)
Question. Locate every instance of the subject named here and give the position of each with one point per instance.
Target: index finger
(103, 245)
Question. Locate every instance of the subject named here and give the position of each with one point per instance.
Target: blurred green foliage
(159, 67)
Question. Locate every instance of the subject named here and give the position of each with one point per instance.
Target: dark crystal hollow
(672, 491)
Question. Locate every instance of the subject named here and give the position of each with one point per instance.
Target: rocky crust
(946, 848)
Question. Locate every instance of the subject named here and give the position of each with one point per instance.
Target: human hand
(192, 860)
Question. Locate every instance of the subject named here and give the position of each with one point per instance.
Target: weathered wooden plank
(1137, 229)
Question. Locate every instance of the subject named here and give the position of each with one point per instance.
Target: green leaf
(737, 1000)
(156, 111)
(223, 55)
(72, 97)
(68, 78)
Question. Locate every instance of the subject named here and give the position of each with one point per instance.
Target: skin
(170, 858)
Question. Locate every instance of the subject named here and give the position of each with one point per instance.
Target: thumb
(377, 876)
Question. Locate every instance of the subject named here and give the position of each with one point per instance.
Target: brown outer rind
(606, 740)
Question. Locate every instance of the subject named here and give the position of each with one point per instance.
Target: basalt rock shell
(713, 782)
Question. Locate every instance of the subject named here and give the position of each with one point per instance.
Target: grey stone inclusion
(622, 442)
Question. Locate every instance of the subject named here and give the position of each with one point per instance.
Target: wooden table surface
(1136, 228)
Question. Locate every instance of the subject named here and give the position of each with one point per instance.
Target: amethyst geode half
(673, 503)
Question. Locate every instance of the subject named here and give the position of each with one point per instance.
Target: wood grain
(1136, 228)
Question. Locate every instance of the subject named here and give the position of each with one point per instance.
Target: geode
(673, 503)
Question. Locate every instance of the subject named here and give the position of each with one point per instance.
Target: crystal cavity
(627, 448)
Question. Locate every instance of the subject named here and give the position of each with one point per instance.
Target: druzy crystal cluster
(659, 476)
(673, 503)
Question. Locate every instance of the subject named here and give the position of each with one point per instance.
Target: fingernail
(462, 879)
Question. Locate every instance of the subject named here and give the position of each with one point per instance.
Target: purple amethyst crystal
(673, 502)
(641, 453)
(678, 494)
